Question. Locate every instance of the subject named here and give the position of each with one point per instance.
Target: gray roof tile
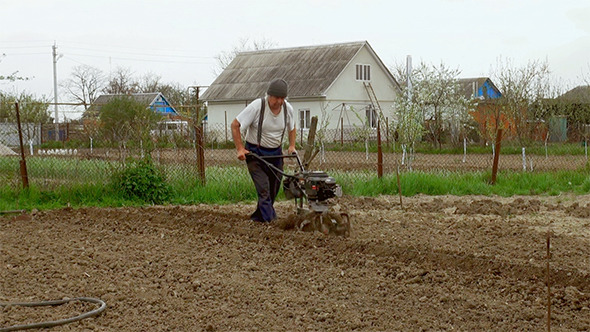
(309, 71)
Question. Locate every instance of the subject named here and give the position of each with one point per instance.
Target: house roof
(148, 99)
(143, 98)
(579, 94)
(309, 70)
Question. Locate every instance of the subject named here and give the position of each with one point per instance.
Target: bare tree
(523, 89)
(121, 82)
(244, 44)
(84, 85)
(175, 93)
(149, 82)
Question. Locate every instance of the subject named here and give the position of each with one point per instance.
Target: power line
(103, 46)
(142, 54)
(19, 47)
(137, 59)
(109, 50)
(8, 54)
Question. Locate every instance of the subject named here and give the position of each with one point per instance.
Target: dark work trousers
(266, 180)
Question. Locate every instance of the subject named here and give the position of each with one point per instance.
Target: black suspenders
(261, 118)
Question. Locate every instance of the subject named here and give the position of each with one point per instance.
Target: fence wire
(68, 154)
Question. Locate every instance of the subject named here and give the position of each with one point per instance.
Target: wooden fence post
(496, 155)
(309, 146)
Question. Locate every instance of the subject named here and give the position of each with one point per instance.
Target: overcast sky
(178, 40)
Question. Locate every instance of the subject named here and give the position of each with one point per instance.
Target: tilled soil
(439, 263)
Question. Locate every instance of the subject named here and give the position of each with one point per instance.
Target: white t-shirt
(272, 126)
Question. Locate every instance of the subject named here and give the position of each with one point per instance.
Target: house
(487, 113)
(481, 88)
(158, 103)
(571, 120)
(342, 84)
(153, 100)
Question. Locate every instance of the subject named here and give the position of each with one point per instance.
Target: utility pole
(55, 58)
(409, 76)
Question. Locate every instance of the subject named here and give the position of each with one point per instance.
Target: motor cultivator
(317, 188)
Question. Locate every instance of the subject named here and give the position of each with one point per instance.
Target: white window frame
(304, 118)
(363, 72)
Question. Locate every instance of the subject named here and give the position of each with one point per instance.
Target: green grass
(233, 184)
(473, 183)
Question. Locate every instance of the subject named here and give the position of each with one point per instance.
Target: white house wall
(217, 113)
(346, 89)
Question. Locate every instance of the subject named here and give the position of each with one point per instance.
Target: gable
(480, 87)
(310, 71)
(161, 105)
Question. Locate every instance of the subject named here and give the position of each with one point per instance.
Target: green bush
(143, 180)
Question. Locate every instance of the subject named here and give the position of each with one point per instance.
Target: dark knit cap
(277, 88)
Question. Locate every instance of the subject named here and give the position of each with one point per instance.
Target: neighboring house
(158, 103)
(31, 133)
(572, 116)
(579, 95)
(480, 87)
(339, 83)
(487, 112)
(153, 100)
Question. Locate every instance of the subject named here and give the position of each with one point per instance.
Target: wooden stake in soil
(548, 282)
(399, 187)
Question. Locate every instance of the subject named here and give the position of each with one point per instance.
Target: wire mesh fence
(71, 153)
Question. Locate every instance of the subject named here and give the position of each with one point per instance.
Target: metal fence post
(379, 151)
(23, 162)
(341, 131)
(200, 147)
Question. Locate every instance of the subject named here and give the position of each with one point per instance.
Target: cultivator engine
(317, 189)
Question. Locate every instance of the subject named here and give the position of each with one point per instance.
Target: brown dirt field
(442, 263)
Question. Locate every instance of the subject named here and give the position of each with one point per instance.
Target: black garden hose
(94, 312)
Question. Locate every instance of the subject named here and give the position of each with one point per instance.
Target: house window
(304, 118)
(363, 72)
(371, 117)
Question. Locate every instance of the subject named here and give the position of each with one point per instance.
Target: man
(264, 137)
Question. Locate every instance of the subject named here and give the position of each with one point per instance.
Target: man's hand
(242, 153)
(292, 150)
